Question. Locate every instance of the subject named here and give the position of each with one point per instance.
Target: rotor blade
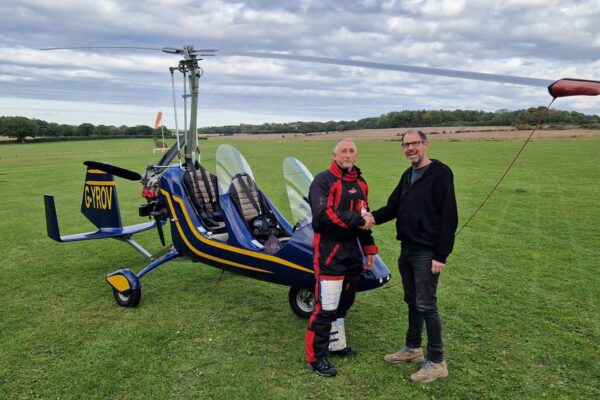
(116, 171)
(451, 73)
(107, 47)
(172, 152)
(479, 76)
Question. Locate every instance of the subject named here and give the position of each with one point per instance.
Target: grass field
(519, 298)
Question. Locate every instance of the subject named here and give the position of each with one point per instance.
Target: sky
(547, 39)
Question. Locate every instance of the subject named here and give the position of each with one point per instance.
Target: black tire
(129, 299)
(302, 301)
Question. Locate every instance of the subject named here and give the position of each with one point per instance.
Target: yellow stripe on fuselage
(100, 183)
(202, 254)
(95, 171)
(232, 248)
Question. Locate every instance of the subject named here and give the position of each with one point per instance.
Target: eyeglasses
(414, 144)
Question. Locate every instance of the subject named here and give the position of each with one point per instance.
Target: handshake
(369, 221)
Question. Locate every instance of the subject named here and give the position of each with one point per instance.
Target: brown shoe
(406, 355)
(430, 372)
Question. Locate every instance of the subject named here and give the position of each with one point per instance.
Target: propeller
(159, 217)
(113, 170)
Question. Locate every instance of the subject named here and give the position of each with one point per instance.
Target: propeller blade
(479, 76)
(171, 153)
(116, 171)
(159, 228)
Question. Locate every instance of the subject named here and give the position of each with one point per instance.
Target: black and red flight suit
(336, 198)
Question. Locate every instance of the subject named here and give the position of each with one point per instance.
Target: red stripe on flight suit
(331, 278)
(332, 204)
(310, 335)
(335, 249)
(309, 339)
(365, 189)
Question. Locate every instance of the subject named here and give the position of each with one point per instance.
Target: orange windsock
(158, 120)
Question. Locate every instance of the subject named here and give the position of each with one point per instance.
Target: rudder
(99, 201)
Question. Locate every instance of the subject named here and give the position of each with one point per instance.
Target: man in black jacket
(424, 206)
(339, 204)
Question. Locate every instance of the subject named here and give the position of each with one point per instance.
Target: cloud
(551, 39)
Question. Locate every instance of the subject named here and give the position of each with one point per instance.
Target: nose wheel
(129, 299)
(302, 301)
(126, 287)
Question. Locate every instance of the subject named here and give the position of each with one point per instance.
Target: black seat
(201, 186)
(253, 208)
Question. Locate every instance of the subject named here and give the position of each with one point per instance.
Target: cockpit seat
(255, 211)
(202, 189)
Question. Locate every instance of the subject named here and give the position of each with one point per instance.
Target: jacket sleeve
(390, 210)
(367, 243)
(324, 215)
(449, 218)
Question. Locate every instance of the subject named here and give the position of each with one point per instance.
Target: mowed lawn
(519, 298)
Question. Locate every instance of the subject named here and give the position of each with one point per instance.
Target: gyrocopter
(224, 219)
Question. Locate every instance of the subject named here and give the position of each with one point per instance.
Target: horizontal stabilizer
(102, 233)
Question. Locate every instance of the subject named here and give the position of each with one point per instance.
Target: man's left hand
(437, 267)
(370, 262)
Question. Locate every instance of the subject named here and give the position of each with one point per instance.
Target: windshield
(230, 162)
(297, 182)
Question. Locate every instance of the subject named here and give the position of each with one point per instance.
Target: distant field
(519, 299)
(438, 133)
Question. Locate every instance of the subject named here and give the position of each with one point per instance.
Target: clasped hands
(369, 221)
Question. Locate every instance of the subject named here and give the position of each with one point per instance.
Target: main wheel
(129, 299)
(302, 301)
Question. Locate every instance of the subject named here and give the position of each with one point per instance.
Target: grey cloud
(504, 37)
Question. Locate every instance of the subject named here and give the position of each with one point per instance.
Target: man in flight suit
(339, 203)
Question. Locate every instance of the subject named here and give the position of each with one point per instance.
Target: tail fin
(99, 202)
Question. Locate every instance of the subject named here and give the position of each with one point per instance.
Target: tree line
(423, 118)
(22, 127)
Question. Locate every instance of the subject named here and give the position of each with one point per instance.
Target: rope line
(539, 122)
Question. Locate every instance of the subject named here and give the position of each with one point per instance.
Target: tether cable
(175, 114)
(539, 122)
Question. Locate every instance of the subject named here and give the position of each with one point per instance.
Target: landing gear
(126, 287)
(302, 301)
(130, 299)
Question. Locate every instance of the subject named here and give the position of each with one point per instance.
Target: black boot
(345, 352)
(323, 367)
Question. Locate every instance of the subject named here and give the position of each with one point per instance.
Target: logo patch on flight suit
(352, 190)
(362, 207)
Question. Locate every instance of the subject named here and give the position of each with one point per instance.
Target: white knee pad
(337, 336)
(331, 292)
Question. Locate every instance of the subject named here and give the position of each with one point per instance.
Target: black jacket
(336, 199)
(426, 213)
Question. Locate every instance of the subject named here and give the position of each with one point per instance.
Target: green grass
(519, 298)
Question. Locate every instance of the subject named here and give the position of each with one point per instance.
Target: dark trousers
(420, 287)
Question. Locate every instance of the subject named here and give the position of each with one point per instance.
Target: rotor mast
(189, 66)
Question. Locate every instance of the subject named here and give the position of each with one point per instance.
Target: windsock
(158, 120)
